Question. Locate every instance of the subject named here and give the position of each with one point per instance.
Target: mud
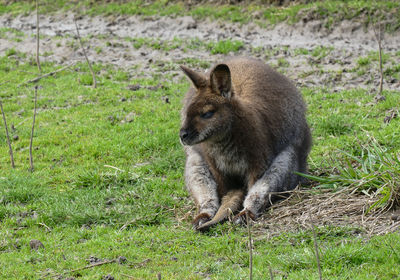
(107, 41)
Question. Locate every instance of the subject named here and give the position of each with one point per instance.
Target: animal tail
(230, 203)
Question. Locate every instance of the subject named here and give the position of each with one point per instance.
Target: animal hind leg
(230, 203)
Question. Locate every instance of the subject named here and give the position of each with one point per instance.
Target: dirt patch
(289, 48)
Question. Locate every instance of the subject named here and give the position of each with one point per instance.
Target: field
(106, 197)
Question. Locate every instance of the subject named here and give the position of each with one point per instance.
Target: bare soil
(106, 41)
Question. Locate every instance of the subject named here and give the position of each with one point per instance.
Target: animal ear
(220, 79)
(198, 79)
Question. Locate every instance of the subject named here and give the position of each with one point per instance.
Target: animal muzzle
(187, 136)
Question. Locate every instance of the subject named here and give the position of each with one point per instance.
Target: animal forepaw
(241, 218)
(200, 219)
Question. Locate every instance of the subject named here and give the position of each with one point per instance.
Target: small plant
(98, 50)
(86, 80)
(11, 52)
(321, 51)
(224, 46)
(375, 172)
(363, 61)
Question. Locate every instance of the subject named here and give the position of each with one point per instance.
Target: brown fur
(255, 137)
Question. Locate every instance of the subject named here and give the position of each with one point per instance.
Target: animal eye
(207, 115)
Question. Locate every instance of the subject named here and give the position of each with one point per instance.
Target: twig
(37, 37)
(8, 136)
(159, 276)
(45, 226)
(378, 37)
(46, 75)
(316, 248)
(92, 265)
(128, 223)
(126, 275)
(59, 275)
(33, 127)
(271, 275)
(113, 167)
(250, 247)
(84, 52)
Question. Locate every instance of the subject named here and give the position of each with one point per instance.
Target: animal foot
(200, 219)
(241, 219)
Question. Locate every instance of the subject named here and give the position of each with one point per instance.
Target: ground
(106, 197)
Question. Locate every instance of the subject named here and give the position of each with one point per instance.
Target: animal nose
(183, 134)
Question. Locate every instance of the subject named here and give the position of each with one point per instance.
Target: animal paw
(241, 219)
(200, 219)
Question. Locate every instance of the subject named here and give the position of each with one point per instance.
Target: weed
(363, 61)
(10, 52)
(224, 46)
(375, 171)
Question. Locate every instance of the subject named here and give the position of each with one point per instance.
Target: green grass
(214, 47)
(225, 46)
(96, 173)
(108, 179)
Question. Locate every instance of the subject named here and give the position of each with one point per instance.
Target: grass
(214, 47)
(85, 202)
(108, 166)
(375, 172)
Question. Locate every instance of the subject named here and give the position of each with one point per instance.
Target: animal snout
(183, 134)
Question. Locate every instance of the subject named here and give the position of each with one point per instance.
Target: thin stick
(271, 275)
(316, 248)
(46, 226)
(81, 268)
(84, 52)
(8, 136)
(378, 37)
(37, 37)
(380, 60)
(250, 247)
(33, 127)
(46, 75)
(91, 265)
(159, 276)
(126, 275)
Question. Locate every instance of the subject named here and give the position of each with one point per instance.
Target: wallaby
(245, 133)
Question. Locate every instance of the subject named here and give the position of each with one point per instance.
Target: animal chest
(229, 161)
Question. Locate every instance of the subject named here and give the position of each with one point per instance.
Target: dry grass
(345, 207)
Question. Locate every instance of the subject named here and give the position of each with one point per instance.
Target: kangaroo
(244, 133)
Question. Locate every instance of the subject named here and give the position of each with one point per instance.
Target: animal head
(208, 112)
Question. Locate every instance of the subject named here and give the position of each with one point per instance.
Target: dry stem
(271, 275)
(46, 75)
(84, 53)
(8, 136)
(126, 275)
(33, 127)
(316, 248)
(250, 247)
(327, 207)
(378, 37)
(37, 37)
